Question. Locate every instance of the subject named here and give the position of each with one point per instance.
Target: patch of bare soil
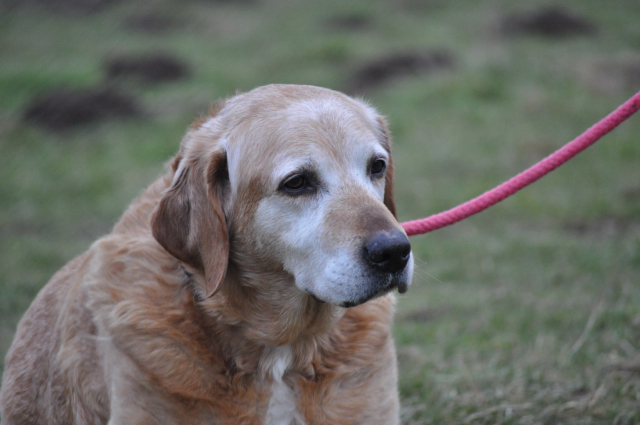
(149, 68)
(549, 22)
(382, 70)
(63, 109)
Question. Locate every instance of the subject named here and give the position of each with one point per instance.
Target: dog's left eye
(377, 167)
(297, 184)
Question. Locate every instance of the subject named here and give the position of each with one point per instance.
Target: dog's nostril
(388, 251)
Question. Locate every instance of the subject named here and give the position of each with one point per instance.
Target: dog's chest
(283, 403)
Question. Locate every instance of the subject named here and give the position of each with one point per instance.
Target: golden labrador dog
(249, 285)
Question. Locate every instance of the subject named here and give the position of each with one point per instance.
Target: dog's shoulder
(140, 299)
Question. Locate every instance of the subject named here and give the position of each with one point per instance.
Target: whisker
(420, 270)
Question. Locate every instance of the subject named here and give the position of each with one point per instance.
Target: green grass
(528, 313)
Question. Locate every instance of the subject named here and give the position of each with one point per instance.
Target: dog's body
(221, 295)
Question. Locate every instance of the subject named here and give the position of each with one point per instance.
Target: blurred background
(528, 313)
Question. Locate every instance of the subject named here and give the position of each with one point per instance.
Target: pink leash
(511, 186)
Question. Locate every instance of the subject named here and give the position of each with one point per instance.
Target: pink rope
(528, 176)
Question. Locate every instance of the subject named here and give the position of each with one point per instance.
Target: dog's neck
(248, 303)
(248, 322)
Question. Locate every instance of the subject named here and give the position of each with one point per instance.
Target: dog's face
(301, 178)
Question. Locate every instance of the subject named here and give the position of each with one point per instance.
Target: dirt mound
(149, 68)
(384, 69)
(549, 22)
(62, 109)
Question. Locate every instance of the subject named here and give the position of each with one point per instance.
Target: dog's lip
(402, 287)
(314, 296)
(396, 282)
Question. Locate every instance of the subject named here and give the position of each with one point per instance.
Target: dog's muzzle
(385, 255)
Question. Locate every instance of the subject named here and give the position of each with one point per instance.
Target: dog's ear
(189, 222)
(388, 181)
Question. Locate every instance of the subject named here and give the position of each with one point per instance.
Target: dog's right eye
(297, 184)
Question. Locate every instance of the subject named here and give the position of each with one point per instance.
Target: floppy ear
(189, 222)
(388, 180)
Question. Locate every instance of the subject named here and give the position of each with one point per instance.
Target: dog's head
(289, 179)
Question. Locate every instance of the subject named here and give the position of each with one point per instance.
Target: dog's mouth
(402, 288)
(315, 297)
(375, 292)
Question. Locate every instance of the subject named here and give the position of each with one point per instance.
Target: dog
(251, 284)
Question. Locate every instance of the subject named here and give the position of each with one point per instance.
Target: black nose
(388, 251)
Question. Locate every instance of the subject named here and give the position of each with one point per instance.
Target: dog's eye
(377, 167)
(297, 184)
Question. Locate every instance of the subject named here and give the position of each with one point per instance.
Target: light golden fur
(187, 312)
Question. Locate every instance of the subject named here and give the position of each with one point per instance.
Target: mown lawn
(528, 313)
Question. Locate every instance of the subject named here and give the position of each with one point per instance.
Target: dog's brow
(288, 164)
(380, 152)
